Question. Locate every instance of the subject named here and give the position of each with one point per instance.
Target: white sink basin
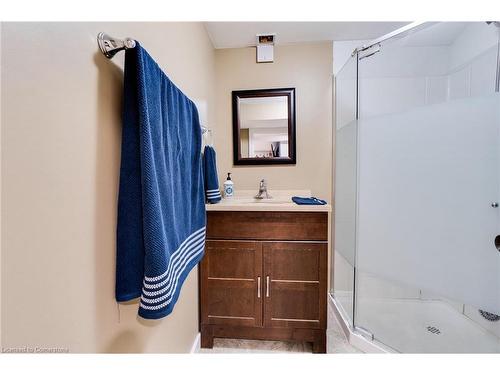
(260, 201)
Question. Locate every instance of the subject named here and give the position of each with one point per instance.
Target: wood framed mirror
(264, 127)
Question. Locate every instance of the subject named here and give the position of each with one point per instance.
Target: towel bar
(109, 46)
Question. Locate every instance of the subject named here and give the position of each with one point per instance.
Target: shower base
(416, 326)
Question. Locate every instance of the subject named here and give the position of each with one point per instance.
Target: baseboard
(354, 338)
(338, 313)
(195, 348)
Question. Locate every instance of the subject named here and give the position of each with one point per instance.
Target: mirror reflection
(264, 127)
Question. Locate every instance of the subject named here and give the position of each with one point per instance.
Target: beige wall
(308, 68)
(60, 162)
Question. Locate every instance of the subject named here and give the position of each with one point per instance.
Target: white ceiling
(242, 34)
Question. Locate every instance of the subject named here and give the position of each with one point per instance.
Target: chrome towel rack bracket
(110, 46)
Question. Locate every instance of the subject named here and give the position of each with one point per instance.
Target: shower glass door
(345, 189)
(417, 190)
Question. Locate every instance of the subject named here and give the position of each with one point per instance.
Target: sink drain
(433, 330)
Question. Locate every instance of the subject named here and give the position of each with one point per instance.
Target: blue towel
(212, 191)
(161, 205)
(309, 201)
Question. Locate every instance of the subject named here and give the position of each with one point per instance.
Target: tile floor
(336, 343)
(257, 346)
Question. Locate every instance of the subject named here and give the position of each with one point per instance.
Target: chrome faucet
(262, 190)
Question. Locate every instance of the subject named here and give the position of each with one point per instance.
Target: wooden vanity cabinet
(264, 276)
(230, 272)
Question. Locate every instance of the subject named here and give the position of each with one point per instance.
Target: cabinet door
(295, 284)
(231, 283)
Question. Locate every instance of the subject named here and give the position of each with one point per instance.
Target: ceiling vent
(265, 48)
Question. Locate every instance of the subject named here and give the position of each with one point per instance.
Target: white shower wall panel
(425, 192)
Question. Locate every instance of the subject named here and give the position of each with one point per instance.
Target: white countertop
(281, 200)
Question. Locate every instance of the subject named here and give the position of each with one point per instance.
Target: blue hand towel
(211, 178)
(308, 201)
(161, 205)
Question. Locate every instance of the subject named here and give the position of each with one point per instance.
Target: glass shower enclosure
(417, 187)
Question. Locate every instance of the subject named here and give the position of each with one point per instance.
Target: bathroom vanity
(264, 273)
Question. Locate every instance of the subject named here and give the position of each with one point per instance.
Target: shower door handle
(497, 242)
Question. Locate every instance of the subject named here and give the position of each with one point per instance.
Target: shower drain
(489, 316)
(433, 330)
